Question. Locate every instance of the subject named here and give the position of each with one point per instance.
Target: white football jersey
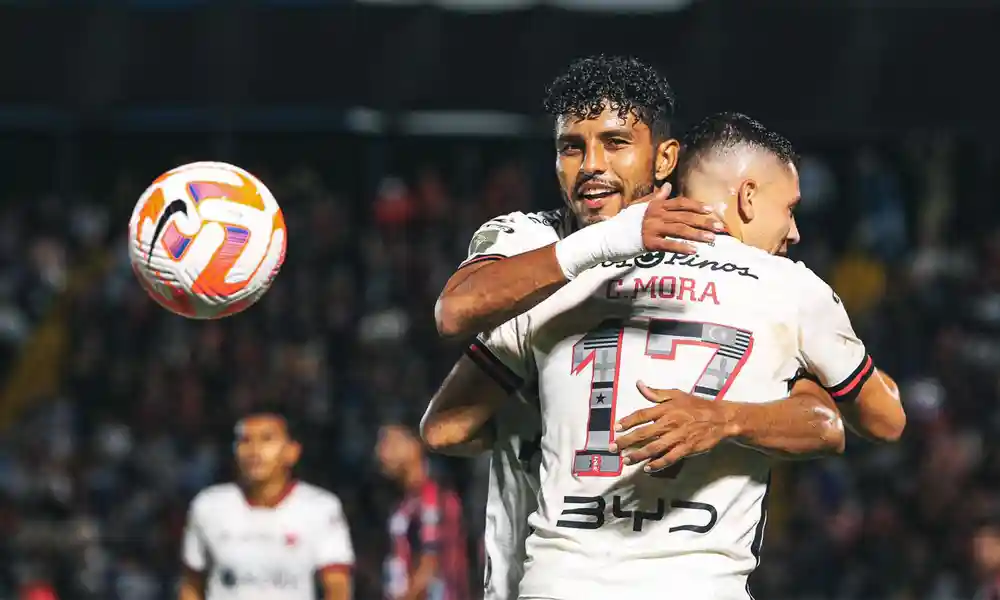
(514, 464)
(518, 232)
(731, 322)
(250, 552)
(512, 496)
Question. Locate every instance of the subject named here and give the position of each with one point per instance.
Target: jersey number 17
(601, 349)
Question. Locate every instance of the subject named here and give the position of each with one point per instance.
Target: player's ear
(746, 195)
(665, 160)
(293, 452)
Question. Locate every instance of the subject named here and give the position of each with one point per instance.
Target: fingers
(684, 203)
(658, 196)
(658, 244)
(640, 417)
(663, 221)
(650, 394)
(669, 458)
(635, 437)
(655, 449)
(667, 230)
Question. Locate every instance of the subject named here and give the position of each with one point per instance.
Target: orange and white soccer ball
(206, 240)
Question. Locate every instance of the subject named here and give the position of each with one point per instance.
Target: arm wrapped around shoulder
(877, 413)
(832, 351)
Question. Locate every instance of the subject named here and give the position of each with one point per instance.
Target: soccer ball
(206, 240)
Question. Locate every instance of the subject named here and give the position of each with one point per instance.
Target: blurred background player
(985, 553)
(428, 554)
(267, 535)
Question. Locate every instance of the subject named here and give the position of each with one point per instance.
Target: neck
(725, 212)
(269, 493)
(415, 476)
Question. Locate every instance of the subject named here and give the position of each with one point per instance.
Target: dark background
(389, 131)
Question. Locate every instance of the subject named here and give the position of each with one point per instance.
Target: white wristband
(618, 238)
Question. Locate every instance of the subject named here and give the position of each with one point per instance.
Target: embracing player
(469, 398)
(664, 497)
(616, 150)
(266, 536)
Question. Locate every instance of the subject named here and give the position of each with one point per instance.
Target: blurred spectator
(986, 556)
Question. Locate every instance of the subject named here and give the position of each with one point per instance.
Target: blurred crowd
(95, 481)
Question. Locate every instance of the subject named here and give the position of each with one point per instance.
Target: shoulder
(812, 287)
(317, 498)
(559, 220)
(554, 219)
(532, 229)
(510, 223)
(806, 291)
(771, 266)
(216, 499)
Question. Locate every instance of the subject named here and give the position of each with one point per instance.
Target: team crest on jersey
(483, 241)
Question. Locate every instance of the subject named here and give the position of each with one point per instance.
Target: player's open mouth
(594, 195)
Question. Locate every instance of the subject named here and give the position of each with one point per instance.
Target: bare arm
(457, 420)
(804, 424)
(192, 585)
(877, 413)
(833, 353)
(421, 577)
(336, 584)
(483, 295)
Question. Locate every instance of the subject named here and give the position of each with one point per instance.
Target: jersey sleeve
(829, 347)
(194, 550)
(504, 353)
(507, 236)
(333, 539)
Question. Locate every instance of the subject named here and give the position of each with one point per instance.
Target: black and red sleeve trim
(494, 367)
(482, 258)
(848, 390)
(802, 374)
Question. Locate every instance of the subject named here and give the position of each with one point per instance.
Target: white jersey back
(731, 322)
(512, 496)
(514, 464)
(249, 552)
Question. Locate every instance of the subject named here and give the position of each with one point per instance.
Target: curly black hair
(624, 84)
(727, 130)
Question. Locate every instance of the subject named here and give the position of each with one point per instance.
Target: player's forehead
(609, 121)
(261, 424)
(788, 175)
(792, 173)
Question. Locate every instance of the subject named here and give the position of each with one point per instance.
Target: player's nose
(793, 233)
(595, 160)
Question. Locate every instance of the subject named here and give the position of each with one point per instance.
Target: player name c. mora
(666, 287)
(670, 287)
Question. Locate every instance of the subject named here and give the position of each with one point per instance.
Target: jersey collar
(289, 488)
